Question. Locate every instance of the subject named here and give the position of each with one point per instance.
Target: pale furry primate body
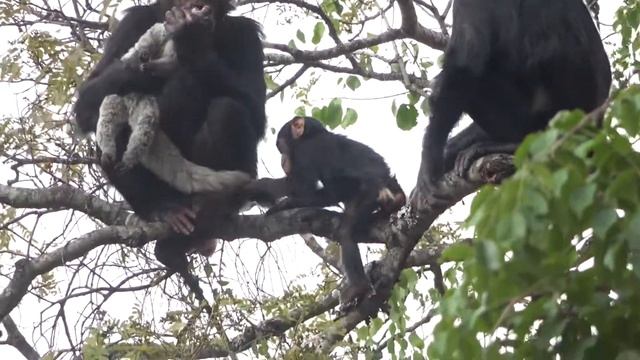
(148, 145)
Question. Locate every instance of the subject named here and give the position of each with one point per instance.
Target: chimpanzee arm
(318, 198)
(267, 190)
(231, 65)
(135, 22)
(110, 75)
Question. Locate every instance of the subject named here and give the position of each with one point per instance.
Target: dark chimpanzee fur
(511, 65)
(211, 107)
(324, 169)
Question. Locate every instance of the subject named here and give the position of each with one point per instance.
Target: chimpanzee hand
(180, 218)
(177, 18)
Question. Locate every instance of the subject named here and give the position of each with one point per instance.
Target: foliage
(555, 264)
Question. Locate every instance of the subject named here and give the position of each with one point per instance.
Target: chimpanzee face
(192, 4)
(297, 128)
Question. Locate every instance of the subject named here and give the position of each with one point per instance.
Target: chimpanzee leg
(147, 195)
(227, 140)
(172, 253)
(447, 105)
(503, 111)
(464, 139)
(355, 223)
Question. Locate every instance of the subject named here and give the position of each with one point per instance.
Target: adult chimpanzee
(211, 107)
(511, 65)
(325, 169)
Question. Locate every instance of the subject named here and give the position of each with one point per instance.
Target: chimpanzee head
(294, 130)
(218, 8)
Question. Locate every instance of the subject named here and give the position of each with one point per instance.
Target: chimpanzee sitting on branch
(511, 66)
(211, 106)
(324, 169)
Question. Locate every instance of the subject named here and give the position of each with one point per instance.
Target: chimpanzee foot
(352, 295)
(467, 157)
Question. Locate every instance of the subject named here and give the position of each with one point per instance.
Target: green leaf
(518, 225)
(271, 85)
(407, 117)
(457, 252)
(318, 32)
(333, 113)
(632, 230)
(613, 255)
(376, 324)
(353, 82)
(300, 111)
(417, 356)
(424, 106)
(582, 198)
(536, 202)
(411, 277)
(542, 142)
(416, 341)
(559, 178)
(300, 36)
(489, 255)
(413, 97)
(626, 111)
(350, 118)
(603, 220)
(317, 113)
(363, 333)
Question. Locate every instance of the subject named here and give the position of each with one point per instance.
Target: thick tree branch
(63, 197)
(412, 28)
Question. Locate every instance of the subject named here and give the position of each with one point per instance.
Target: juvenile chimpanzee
(211, 107)
(510, 65)
(325, 169)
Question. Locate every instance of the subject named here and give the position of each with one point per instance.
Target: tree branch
(17, 340)
(296, 55)
(401, 236)
(63, 197)
(412, 28)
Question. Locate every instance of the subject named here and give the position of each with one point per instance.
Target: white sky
(376, 127)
